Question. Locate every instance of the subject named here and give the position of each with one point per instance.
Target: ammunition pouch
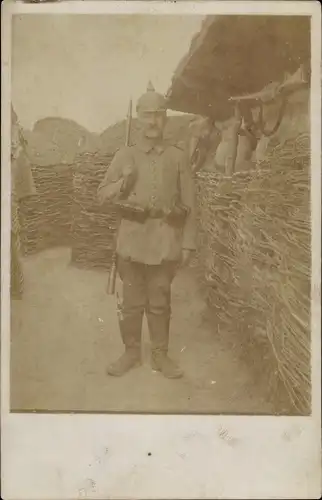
(132, 212)
(175, 217)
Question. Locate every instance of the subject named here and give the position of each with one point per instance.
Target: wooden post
(231, 161)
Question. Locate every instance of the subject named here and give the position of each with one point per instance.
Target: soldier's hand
(186, 256)
(128, 178)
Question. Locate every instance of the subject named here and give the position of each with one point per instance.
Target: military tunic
(148, 252)
(162, 174)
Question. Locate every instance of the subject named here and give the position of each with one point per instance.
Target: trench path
(65, 332)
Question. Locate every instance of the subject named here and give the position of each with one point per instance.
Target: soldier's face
(152, 123)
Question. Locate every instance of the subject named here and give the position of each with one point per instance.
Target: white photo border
(69, 456)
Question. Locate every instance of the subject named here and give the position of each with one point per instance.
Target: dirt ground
(65, 332)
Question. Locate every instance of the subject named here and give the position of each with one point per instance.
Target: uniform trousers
(146, 290)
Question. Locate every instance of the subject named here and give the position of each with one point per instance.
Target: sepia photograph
(161, 214)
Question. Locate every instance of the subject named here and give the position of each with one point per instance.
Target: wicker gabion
(93, 227)
(255, 255)
(45, 218)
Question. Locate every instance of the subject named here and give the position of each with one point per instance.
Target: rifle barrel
(128, 125)
(113, 271)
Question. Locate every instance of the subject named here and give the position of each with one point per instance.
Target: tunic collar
(146, 146)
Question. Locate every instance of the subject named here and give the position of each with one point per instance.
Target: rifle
(113, 271)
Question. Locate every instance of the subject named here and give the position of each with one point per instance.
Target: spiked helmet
(151, 101)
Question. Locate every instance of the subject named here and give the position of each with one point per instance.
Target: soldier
(151, 184)
(22, 186)
(199, 142)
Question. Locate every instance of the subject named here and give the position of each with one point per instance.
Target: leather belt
(142, 216)
(174, 217)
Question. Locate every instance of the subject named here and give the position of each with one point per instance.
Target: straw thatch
(236, 55)
(68, 137)
(255, 258)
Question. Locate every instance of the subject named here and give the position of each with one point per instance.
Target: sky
(87, 67)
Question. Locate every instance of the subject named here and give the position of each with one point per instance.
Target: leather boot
(130, 329)
(129, 360)
(159, 326)
(161, 362)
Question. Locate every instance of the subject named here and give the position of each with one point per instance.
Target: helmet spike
(150, 87)
(151, 101)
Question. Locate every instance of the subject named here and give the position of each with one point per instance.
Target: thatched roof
(55, 140)
(41, 150)
(236, 55)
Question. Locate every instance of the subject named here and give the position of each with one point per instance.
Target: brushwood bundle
(93, 227)
(45, 218)
(255, 257)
